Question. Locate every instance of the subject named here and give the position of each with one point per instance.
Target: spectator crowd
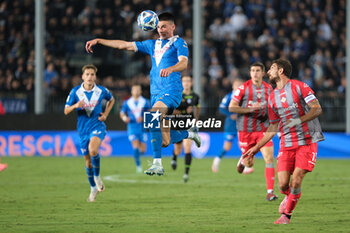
(310, 33)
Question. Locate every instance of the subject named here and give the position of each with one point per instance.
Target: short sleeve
(273, 114)
(307, 93)
(196, 101)
(124, 108)
(224, 101)
(71, 99)
(147, 106)
(238, 93)
(182, 48)
(144, 46)
(108, 95)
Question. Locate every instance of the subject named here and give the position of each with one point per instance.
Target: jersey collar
(93, 89)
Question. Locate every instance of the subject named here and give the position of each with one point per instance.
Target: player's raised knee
(283, 186)
(93, 152)
(166, 142)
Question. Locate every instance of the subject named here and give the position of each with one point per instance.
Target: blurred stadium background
(310, 33)
(40, 194)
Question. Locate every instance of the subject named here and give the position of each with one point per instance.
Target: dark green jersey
(188, 100)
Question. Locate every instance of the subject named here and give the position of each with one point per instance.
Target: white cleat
(185, 178)
(215, 165)
(99, 184)
(93, 194)
(195, 138)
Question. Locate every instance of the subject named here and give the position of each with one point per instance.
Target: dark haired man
(169, 55)
(293, 110)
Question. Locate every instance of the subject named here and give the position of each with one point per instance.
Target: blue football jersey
(135, 109)
(89, 113)
(164, 53)
(230, 125)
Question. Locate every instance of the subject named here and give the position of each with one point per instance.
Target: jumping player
(86, 100)
(189, 106)
(250, 102)
(293, 110)
(230, 125)
(132, 114)
(169, 55)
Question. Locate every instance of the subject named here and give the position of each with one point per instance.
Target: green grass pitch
(48, 194)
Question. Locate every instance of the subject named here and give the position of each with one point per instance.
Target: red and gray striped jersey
(292, 102)
(247, 95)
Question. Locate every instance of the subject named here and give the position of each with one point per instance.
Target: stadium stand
(311, 33)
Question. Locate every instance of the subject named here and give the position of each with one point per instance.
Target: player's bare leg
(283, 184)
(287, 206)
(216, 162)
(267, 153)
(176, 153)
(143, 148)
(94, 145)
(136, 145)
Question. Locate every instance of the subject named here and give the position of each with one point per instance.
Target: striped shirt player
(291, 102)
(250, 101)
(293, 111)
(251, 126)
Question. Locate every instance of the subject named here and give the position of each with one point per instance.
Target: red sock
(285, 192)
(292, 202)
(270, 177)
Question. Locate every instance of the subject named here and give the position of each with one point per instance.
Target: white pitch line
(116, 178)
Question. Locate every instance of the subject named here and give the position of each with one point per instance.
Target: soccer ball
(147, 20)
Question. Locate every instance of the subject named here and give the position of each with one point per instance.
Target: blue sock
(222, 153)
(178, 135)
(95, 160)
(156, 141)
(137, 156)
(90, 174)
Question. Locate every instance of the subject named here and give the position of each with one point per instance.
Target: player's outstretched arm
(103, 115)
(117, 44)
(234, 107)
(178, 67)
(69, 109)
(269, 134)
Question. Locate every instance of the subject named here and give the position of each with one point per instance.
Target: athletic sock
(90, 175)
(188, 160)
(95, 160)
(270, 176)
(156, 141)
(137, 156)
(293, 199)
(178, 135)
(222, 153)
(285, 192)
(174, 156)
(157, 161)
